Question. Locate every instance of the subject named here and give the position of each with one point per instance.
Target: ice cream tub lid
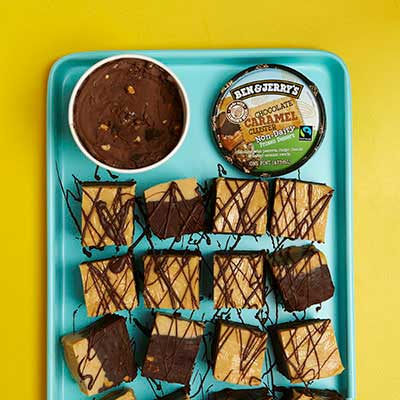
(269, 120)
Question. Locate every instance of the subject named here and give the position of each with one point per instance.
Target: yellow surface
(366, 34)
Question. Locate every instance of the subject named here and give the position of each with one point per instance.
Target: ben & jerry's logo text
(259, 88)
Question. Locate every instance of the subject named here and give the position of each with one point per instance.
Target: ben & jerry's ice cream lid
(269, 120)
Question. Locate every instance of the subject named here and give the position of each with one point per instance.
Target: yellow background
(366, 34)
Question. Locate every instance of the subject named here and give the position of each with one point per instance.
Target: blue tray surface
(203, 73)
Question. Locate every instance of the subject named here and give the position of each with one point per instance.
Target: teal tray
(203, 73)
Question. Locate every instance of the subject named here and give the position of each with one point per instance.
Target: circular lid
(269, 120)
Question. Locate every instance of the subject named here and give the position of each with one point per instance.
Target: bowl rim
(185, 103)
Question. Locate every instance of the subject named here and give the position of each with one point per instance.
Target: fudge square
(306, 350)
(300, 210)
(301, 276)
(107, 213)
(240, 206)
(239, 354)
(241, 394)
(100, 356)
(173, 348)
(303, 393)
(109, 285)
(171, 279)
(239, 280)
(123, 394)
(175, 208)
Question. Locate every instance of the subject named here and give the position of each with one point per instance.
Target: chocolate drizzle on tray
(201, 383)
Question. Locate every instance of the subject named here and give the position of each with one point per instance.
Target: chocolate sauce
(128, 113)
(221, 170)
(74, 317)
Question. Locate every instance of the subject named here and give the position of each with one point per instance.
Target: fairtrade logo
(305, 132)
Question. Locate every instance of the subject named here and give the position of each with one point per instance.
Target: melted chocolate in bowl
(128, 113)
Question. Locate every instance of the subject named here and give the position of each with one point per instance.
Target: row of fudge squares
(100, 356)
(293, 393)
(300, 276)
(299, 209)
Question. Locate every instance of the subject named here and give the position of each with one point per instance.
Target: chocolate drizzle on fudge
(301, 276)
(172, 350)
(175, 208)
(240, 206)
(239, 354)
(300, 209)
(109, 285)
(306, 350)
(128, 113)
(107, 213)
(100, 356)
(305, 393)
(171, 279)
(239, 280)
(180, 394)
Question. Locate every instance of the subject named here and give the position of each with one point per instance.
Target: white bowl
(185, 103)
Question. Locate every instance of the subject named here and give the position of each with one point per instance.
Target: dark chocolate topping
(241, 394)
(318, 394)
(301, 289)
(128, 113)
(173, 217)
(179, 394)
(116, 394)
(109, 341)
(172, 356)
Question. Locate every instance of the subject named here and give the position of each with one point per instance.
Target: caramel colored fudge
(107, 214)
(179, 394)
(173, 348)
(100, 356)
(301, 276)
(300, 210)
(175, 208)
(109, 285)
(306, 350)
(171, 280)
(124, 394)
(240, 206)
(302, 393)
(241, 394)
(239, 354)
(239, 280)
